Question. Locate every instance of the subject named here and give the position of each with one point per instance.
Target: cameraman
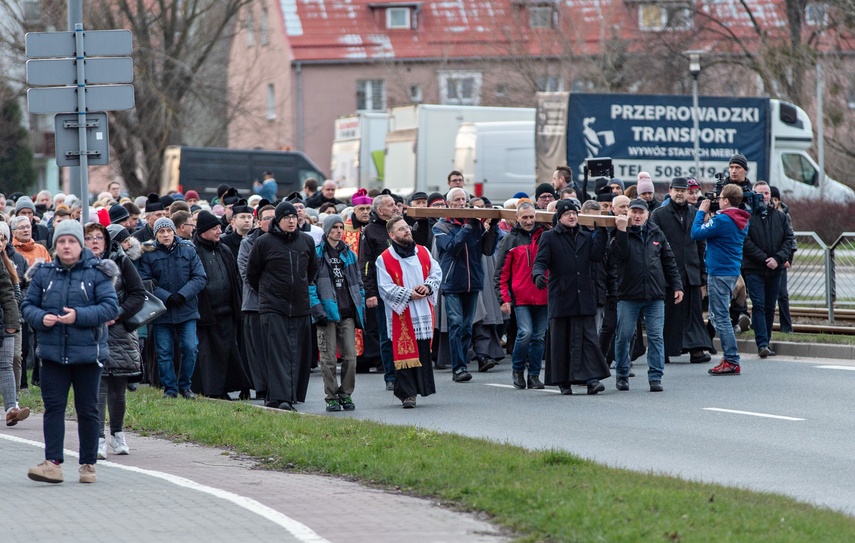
(724, 233)
(768, 247)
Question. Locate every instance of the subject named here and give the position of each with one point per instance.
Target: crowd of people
(259, 290)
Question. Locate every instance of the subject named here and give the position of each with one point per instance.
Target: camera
(595, 167)
(752, 202)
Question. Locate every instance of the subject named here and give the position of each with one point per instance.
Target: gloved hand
(321, 322)
(540, 282)
(474, 222)
(175, 300)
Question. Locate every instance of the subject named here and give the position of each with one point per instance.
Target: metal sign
(64, 99)
(97, 43)
(64, 71)
(68, 143)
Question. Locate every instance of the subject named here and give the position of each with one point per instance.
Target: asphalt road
(784, 425)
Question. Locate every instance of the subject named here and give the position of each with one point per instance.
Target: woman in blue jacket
(69, 302)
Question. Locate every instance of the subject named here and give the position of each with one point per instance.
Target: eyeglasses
(94, 238)
(266, 219)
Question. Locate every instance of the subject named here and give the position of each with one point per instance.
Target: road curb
(792, 348)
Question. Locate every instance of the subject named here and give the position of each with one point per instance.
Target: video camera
(752, 202)
(596, 167)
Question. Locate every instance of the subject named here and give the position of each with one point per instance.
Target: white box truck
(496, 158)
(655, 133)
(421, 138)
(359, 142)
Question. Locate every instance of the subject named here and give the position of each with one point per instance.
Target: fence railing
(823, 276)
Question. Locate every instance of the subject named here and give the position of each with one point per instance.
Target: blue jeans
(163, 343)
(531, 332)
(460, 313)
(56, 380)
(385, 342)
(763, 292)
(654, 322)
(720, 292)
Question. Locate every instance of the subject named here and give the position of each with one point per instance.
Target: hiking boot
(46, 472)
(519, 379)
(765, 351)
(622, 383)
(333, 405)
(461, 376)
(102, 448)
(390, 385)
(87, 473)
(744, 322)
(595, 387)
(656, 386)
(16, 415)
(725, 367)
(188, 394)
(534, 381)
(118, 444)
(347, 403)
(485, 364)
(409, 403)
(699, 357)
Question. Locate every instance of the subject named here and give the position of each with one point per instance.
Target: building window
(371, 95)
(816, 14)
(249, 25)
(460, 88)
(398, 18)
(540, 16)
(549, 83)
(501, 90)
(416, 94)
(264, 27)
(271, 102)
(664, 16)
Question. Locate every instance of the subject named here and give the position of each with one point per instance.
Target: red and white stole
(405, 350)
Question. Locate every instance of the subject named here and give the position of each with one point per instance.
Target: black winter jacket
(769, 235)
(281, 265)
(645, 265)
(675, 221)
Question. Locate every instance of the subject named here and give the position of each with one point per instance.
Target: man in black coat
(685, 330)
(240, 225)
(646, 272)
(326, 194)
(280, 266)
(767, 248)
(220, 368)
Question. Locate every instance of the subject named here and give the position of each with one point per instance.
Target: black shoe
(188, 394)
(656, 386)
(534, 382)
(132, 387)
(699, 357)
(169, 395)
(631, 373)
(286, 406)
(595, 387)
(772, 353)
(461, 376)
(622, 383)
(485, 364)
(713, 351)
(390, 385)
(764, 352)
(565, 390)
(519, 380)
(271, 403)
(667, 359)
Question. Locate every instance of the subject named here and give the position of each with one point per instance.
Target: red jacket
(513, 268)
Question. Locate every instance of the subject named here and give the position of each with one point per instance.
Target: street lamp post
(695, 70)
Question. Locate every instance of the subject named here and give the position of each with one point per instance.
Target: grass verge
(549, 496)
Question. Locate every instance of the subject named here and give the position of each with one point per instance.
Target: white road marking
(751, 413)
(847, 368)
(515, 388)
(302, 532)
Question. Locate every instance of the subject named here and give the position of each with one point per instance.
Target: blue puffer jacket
(175, 270)
(460, 247)
(322, 295)
(87, 287)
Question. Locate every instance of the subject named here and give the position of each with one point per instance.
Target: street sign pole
(76, 173)
(81, 124)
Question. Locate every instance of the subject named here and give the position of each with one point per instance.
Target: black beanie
(739, 159)
(118, 213)
(205, 221)
(153, 203)
(166, 201)
(221, 189)
(283, 210)
(563, 206)
(435, 197)
(543, 188)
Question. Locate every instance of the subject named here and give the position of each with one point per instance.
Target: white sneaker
(102, 448)
(118, 443)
